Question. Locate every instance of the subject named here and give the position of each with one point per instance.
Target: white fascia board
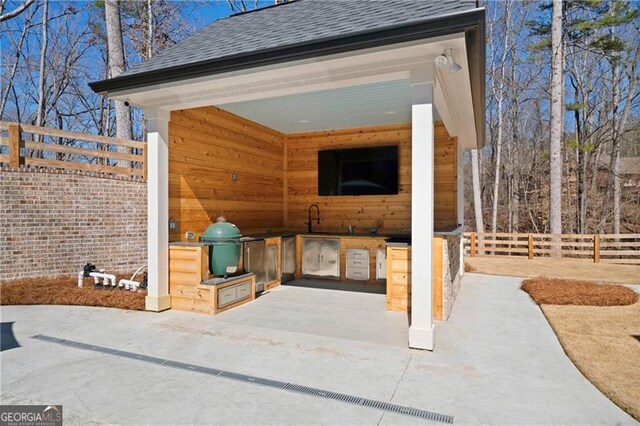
(442, 105)
(359, 67)
(457, 92)
(453, 99)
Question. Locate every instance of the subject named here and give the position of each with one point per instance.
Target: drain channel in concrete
(260, 381)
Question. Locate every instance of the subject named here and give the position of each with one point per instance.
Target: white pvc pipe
(80, 278)
(105, 278)
(129, 284)
(136, 272)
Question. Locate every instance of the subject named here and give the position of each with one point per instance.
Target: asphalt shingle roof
(294, 23)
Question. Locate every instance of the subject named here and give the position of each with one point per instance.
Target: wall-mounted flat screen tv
(358, 171)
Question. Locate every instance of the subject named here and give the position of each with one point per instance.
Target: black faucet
(310, 222)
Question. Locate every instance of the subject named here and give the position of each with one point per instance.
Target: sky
(210, 10)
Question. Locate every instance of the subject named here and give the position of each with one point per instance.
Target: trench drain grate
(299, 389)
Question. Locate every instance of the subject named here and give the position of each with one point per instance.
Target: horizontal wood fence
(40, 147)
(611, 248)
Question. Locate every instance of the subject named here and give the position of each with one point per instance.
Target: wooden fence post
(596, 248)
(15, 160)
(472, 244)
(144, 163)
(530, 247)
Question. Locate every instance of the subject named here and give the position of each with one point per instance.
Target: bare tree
(15, 12)
(618, 126)
(238, 6)
(556, 122)
(14, 68)
(42, 71)
(498, 93)
(477, 199)
(116, 67)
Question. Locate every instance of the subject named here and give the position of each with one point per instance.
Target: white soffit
(326, 77)
(376, 104)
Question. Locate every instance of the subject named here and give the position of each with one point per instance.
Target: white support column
(422, 205)
(460, 200)
(158, 298)
(460, 184)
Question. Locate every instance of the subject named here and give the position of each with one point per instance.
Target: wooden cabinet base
(213, 299)
(188, 268)
(399, 278)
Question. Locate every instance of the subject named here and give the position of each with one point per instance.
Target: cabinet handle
(248, 259)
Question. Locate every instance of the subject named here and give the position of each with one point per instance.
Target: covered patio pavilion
(368, 67)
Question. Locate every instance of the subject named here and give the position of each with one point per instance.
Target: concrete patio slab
(496, 362)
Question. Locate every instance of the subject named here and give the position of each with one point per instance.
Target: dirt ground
(65, 291)
(604, 343)
(556, 268)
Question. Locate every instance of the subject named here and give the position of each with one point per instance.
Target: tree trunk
(43, 57)
(149, 29)
(556, 121)
(500, 98)
(618, 130)
(477, 199)
(614, 160)
(116, 67)
(567, 185)
(516, 201)
(581, 206)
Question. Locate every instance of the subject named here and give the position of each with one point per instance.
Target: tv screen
(358, 171)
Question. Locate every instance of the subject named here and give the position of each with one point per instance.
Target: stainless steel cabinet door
(330, 259)
(310, 256)
(288, 255)
(381, 264)
(272, 263)
(321, 257)
(255, 261)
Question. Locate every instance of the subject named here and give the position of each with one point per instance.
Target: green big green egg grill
(224, 243)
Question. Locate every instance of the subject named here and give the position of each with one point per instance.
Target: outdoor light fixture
(447, 60)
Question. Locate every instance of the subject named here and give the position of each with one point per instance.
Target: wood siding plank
(207, 147)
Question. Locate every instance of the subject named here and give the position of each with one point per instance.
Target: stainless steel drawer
(243, 290)
(358, 254)
(361, 274)
(226, 296)
(358, 263)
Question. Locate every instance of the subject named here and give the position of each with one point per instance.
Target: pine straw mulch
(64, 290)
(553, 291)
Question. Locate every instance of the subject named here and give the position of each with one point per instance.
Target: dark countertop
(250, 237)
(326, 234)
(354, 235)
(265, 235)
(449, 230)
(391, 238)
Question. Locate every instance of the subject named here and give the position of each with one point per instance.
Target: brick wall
(53, 222)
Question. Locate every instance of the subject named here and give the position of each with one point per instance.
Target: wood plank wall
(390, 213)
(206, 146)
(445, 178)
